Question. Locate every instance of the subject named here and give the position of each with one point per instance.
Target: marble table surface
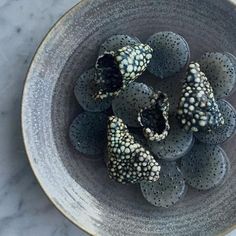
(24, 209)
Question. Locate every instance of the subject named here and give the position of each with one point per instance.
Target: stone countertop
(24, 208)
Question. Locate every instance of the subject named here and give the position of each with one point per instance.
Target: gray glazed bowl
(79, 188)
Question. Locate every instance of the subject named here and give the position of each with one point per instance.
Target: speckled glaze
(80, 188)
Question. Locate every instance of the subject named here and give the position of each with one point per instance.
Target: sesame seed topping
(197, 102)
(130, 165)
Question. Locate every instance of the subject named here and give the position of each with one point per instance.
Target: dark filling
(109, 76)
(153, 119)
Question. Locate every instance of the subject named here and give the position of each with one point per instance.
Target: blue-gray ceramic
(80, 188)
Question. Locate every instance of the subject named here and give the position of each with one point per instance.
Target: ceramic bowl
(80, 188)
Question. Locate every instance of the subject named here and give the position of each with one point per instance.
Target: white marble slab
(24, 209)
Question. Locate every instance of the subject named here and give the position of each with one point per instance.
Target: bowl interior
(81, 188)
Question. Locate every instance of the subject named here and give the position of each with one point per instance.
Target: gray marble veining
(24, 209)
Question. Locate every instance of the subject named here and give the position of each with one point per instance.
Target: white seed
(191, 65)
(155, 168)
(132, 75)
(144, 163)
(186, 94)
(124, 62)
(122, 72)
(130, 68)
(193, 71)
(139, 168)
(191, 100)
(130, 61)
(141, 57)
(141, 158)
(119, 58)
(202, 123)
(191, 108)
(127, 150)
(149, 56)
(194, 129)
(203, 117)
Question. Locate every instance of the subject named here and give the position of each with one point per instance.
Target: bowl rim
(24, 94)
(27, 149)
